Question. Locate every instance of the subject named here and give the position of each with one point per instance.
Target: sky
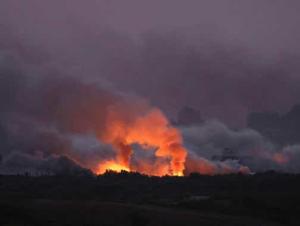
(224, 58)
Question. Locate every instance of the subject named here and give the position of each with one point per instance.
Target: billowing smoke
(93, 125)
(49, 117)
(20, 163)
(197, 164)
(204, 54)
(69, 90)
(237, 148)
(45, 113)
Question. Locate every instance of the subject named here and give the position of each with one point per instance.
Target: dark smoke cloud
(21, 163)
(283, 129)
(212, 137)
(236, 148)
(226, 58)
(51, 123)
(291, 158)
(45, 114)
(61, 63)
(42, 113)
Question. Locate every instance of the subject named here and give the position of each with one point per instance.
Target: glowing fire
(111, 166)
(151, 131)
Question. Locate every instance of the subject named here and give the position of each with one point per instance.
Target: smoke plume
(96, 127)
(243, 150)
(76, 86)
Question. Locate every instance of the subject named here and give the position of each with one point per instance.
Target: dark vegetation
(133, 199)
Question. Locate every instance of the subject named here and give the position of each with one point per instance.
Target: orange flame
(150, 131)
(111, 165)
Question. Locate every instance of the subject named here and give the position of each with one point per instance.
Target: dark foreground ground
(132, 199)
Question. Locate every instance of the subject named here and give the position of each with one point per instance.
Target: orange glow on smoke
(201, 166)
(280, 158)
(152, 132)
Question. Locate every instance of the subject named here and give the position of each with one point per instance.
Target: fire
(111, 166)
(151, 131)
